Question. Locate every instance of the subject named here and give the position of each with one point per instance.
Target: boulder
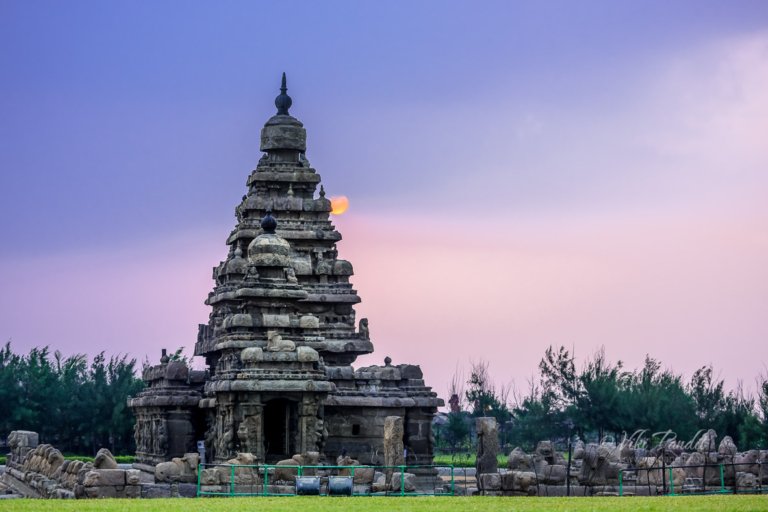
(408, 482)
(103, 477)
(707, 442)
(727, 447)
(519, 460)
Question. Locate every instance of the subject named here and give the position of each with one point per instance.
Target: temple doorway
(280, 424)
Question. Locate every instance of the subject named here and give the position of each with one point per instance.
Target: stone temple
(281, 339)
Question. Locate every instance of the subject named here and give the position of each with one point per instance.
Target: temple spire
(283, 102)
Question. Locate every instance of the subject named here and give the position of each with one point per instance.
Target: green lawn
(415, 504)
(464, 460)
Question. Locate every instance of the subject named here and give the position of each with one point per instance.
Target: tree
(559, 378)
(456, 429)
(77, 407)
(657, 401)
(598, 396)
(536, 417)
(485, 400)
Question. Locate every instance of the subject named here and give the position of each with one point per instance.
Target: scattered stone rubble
(40, 471)
(595, 469)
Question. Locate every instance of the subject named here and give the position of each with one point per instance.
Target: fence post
(232, 481)
(621, 483)
(453, 488)
(199, 472)
(402, 480)
(266, 480)
(568, 471)
(671, 483)
(722, 479)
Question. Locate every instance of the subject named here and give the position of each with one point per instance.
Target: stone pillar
(487, 445)
(308, 424)
(393, 443)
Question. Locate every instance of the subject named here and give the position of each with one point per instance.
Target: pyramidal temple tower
(282, 337)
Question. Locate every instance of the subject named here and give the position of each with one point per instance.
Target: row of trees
(603, 399)
(76, 405)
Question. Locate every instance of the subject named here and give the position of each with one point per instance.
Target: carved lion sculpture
(363, 329)
(276, 343)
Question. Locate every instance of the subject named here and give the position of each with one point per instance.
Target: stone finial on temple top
(268, 223)
(283, 102)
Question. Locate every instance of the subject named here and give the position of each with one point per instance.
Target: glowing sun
(339, 204)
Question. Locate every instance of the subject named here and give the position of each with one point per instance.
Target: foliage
(76, 406)
(486, 400)
(456, 431)
(604, 400)
(728, 503)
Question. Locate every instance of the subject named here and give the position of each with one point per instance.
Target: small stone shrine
(281, 339)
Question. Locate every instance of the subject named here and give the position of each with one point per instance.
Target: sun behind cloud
(339, 204)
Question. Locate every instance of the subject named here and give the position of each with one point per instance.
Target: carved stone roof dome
(237, 265)
(269, 249)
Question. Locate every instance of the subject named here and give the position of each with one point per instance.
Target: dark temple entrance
(280, 425)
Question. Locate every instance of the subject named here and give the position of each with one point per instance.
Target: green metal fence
(260, 480)
(691, 485)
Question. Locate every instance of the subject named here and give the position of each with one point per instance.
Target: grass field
(415, 504)
(464, 460)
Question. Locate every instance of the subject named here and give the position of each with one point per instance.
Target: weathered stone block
(307, 354)
(186, 490)
(132, 491)
(156, 491)
(508, 481)
(104, 477)
(552, 474)
(252, 355)
(106, 491)
(132, 477)
(408, 482)
(309, 322)
(490, 481)
(276, 320)
(524, 480)
(23, 439)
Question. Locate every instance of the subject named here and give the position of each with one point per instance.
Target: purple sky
(520, 174)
